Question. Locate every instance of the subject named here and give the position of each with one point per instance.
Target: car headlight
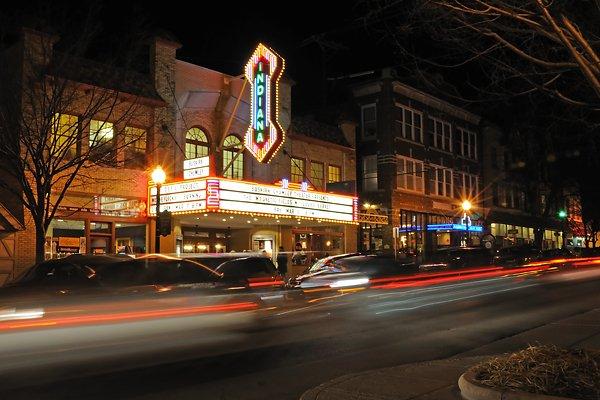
(349, 282)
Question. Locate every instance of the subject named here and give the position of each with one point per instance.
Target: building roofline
(425, 98)
(436, 102)
(300, 136)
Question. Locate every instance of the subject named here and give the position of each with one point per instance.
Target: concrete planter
(470, 389)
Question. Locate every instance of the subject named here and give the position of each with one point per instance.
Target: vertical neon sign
(264, 135)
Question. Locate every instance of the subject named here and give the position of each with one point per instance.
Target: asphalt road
(300, 347)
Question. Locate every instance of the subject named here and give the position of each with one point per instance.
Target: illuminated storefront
(219, 215)
(251, 178)
(422, 232)
(97, 225)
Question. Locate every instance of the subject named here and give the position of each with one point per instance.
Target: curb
(313, 394)
(470, 390)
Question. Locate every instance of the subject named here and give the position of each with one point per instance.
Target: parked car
(552, 254)
(248, 269)
(589, 252)
(516, 255)
(73, 272)
(353, 269)
(457, 257)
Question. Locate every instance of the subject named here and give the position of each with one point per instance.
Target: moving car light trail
(128, 316)
(169, 325)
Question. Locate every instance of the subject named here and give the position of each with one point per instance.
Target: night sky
(221, 35)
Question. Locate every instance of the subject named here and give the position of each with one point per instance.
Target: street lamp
(466, 206)
(158, 177)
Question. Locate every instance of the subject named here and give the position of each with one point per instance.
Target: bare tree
(531, 65)
(58, 127)
(519, 47)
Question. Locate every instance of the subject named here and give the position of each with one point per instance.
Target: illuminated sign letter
(264, 135)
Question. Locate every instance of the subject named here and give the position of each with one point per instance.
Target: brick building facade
(419, 159)
(104, 208)
(184, 111)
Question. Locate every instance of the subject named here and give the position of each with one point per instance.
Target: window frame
(403, 108)
(446, 144)
(236, 169)
(300, 164)
(106, 151)
(317, 181)
(370, 176)
(417, 175)
(447, 187)
(339, 173)
(59, 133)
(135, 156)
(197, 143)
(470, 144)
(362, 121)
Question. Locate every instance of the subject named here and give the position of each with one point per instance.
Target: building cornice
(436, 103)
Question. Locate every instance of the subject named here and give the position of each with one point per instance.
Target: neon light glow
(212, 193)
(264, 135)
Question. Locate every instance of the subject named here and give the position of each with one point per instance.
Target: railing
(373, 219)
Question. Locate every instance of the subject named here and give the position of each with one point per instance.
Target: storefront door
(263, 243)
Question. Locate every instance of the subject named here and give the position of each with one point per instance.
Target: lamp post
(466, 206)
(158, 177)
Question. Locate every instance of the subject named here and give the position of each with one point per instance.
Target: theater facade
(244, 175)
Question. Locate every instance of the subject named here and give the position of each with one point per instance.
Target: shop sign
(264, 135)
(196, 168)
(68, 241)
(454, 227)
(179, 197)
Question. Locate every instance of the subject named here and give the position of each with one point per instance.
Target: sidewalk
(437, 380)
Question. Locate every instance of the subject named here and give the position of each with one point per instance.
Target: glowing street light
(466, 205)
(159, 176)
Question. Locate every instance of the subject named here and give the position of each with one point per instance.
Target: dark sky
(222, 34)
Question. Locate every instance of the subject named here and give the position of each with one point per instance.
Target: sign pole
(157, 230)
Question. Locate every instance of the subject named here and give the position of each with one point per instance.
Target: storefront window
(65, 237)
(100, 227)
(233, 169)
(130, 238)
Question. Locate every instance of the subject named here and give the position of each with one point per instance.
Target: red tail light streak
(131, 316)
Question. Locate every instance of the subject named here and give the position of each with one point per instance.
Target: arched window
(196, 143)
(231, 146)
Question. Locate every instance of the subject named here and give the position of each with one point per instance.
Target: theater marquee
(224, 195)
(264, 135)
